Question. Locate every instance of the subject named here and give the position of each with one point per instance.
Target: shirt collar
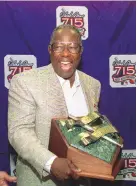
(76, 82)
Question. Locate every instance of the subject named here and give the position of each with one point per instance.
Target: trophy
(91, 142)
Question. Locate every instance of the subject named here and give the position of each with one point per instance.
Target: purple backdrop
(26, 28)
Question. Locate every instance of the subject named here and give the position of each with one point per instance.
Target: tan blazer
(35, 97)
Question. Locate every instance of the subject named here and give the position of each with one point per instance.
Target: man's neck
(72, 80)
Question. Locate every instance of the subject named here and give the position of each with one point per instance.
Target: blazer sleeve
(97, 94)
(21, 126)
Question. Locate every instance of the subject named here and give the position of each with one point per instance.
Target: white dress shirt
(75, 101)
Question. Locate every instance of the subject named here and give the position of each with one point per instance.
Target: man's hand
(63, 168)
(4, 178)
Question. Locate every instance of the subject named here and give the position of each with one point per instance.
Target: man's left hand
(4, 178)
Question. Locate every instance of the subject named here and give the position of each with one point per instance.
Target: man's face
(65, 52)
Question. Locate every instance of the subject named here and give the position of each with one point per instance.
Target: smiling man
(65, 52)
(37, 96)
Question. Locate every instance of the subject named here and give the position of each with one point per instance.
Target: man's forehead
(65, 32)
(66, 29)
(66, 35)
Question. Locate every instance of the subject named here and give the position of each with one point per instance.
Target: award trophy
(91, 142)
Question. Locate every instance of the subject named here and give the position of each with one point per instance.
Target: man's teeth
(65, 63)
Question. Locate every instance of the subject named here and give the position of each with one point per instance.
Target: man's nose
(65, 51)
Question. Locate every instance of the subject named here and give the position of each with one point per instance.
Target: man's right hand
(63, 168)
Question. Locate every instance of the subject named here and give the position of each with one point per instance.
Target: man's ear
(49, 49)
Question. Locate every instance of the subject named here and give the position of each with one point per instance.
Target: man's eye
(73, 47)
(58, 46)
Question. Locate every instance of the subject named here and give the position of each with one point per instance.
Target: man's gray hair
(65, 26)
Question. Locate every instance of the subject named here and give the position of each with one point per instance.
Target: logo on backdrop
(122, 70)
(73, 15)
(129, 170)
(14, 64)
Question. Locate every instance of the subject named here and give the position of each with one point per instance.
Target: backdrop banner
(108, 30)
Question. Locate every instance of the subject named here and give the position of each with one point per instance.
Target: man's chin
(66, 75)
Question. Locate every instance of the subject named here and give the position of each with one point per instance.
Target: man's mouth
(66, 65)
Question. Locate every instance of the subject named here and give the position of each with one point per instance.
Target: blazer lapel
(56, 103)
(87, 92)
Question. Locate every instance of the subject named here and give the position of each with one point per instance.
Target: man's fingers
(9, 178)
(68, 172)
(73, 167)
(75, 176)
(74, 170)
(67, 176)
(3, 183)
(62, 168)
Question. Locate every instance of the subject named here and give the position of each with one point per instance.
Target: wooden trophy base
(91, 166)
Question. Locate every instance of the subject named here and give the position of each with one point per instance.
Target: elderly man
(4, 178)
(37, 96)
